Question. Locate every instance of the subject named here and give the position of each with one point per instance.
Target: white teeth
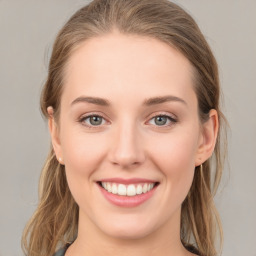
(121, 190)
(109, 187)
(131, 190)
(114, 189)
(127, 190)
(139, 190)
(145, 188)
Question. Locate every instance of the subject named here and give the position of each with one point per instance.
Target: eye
(163, 120)
(92, 120)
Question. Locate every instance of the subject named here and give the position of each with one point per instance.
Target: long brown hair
(56, 219)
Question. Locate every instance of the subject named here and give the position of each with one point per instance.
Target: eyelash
(171, 119)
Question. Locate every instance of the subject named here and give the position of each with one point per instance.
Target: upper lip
(128, 181)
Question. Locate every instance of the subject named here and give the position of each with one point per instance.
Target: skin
(130, 142)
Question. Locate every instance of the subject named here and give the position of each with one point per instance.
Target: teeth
(114, 189)
(145, 188)
(139, 190)
(131, 190)
(109, 187)
(127, 190)
(104, 184)
(121, 190)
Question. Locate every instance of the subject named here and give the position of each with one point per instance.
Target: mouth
(129, 190)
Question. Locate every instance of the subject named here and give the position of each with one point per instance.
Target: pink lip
(126, 201)
(128, 181)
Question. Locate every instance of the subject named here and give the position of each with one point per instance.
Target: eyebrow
(146, 102)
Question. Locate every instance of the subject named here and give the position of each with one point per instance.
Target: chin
(129, 230)
(126, 234)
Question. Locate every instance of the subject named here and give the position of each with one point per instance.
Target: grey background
(27, 31)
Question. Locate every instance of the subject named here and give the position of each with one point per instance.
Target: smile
(127, 193)
(127, 190)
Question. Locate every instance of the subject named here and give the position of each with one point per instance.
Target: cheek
(176, 150)
(82, 152)
(175, 157)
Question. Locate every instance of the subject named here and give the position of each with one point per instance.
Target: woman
(132, 102)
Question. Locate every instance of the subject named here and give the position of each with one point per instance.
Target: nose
(126, 147)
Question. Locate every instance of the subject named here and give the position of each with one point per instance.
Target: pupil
(161, 119)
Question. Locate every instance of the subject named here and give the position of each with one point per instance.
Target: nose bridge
(127, 147)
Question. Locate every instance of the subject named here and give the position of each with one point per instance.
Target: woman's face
(117, 88)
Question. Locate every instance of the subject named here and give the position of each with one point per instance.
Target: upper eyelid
(91, 114)
(172, 116)
(150, 116)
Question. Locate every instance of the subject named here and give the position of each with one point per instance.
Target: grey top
(62, 251)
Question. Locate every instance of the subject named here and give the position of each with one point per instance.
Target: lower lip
(127, 201)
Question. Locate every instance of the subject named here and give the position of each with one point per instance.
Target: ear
(54, 132)
(208, 138)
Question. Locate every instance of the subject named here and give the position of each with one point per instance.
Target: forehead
(118, 64)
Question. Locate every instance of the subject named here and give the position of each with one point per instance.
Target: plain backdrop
(27, 31)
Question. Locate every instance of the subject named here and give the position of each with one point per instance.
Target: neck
(164, 241)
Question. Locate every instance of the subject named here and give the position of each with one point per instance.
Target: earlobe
(209, 135)
(53, 129)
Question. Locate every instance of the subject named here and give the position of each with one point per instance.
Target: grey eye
(93, 120)
(161, 120)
